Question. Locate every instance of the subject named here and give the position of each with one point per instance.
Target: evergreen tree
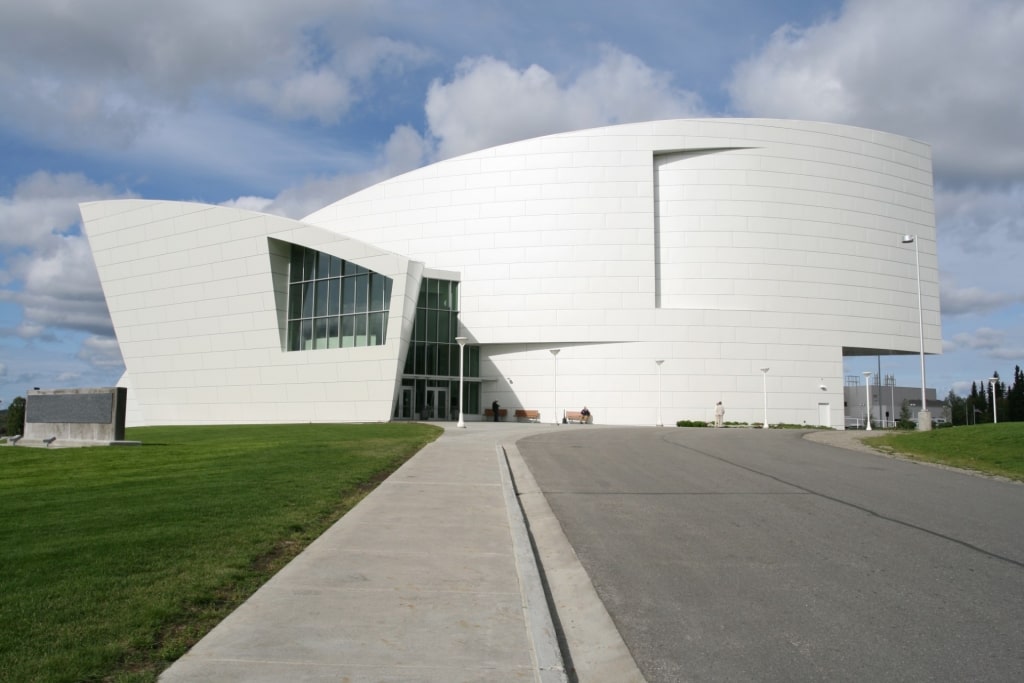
(957, 408)
(16, 417)
(1015, 397)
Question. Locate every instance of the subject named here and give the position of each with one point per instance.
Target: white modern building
(646, 271)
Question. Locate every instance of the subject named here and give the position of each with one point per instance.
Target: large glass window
(333, 303)
(433, 359)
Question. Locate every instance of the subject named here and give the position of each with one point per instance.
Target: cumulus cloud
(110, 68)
(101, 352)
(992, 343)
(490, 102)
(43, 205)
(965, 300)
(61, 289)
(48, 267)
(918, 69)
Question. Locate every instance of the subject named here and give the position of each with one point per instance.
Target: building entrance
(436, 405)
(824, 415)
(403, 410)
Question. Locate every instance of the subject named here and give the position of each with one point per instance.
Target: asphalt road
(752, 555)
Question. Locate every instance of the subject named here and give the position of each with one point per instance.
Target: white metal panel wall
(720, 246)
(196, 294)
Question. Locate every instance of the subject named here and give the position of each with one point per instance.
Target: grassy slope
(115, 560)
(990, 448)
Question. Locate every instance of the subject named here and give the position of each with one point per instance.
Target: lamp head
(908, 239)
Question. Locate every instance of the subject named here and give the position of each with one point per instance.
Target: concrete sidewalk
(429, 578)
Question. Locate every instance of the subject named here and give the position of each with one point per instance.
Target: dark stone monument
(76, 416)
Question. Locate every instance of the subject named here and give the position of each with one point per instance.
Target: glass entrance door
(403, 410)
(437, 404)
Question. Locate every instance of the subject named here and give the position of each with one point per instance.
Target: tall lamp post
(554, 358)
(764, 391)
(462, 361)
(867, 394)
(659, 423)
(924, 418)
(992, 381)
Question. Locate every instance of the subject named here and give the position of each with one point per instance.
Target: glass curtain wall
(430, 385)
(334, 303)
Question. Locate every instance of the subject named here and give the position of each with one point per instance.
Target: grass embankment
(116, 560)
(989, 448)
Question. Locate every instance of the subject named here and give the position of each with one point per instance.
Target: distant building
(887, 404)
(645, 270)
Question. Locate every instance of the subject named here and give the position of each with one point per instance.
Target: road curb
(550, 667)
(596, 648)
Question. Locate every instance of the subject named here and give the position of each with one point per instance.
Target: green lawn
(990, 448)
(116, 560)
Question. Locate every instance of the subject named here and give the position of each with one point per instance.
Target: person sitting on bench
(585, 415)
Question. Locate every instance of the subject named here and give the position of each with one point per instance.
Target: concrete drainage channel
(594, 650)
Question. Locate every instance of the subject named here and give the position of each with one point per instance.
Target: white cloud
(109, 69)
(43, 205)
(47, 265)
(992, 343)
(960, 301)
(101, 352)
(938, 71)
(61, 289)
(489, 102)
(258, 204)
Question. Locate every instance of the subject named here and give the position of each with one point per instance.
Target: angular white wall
(197, 296)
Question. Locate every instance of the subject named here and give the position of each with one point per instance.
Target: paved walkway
(430, 578)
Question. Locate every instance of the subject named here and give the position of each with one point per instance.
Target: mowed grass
(989, 448)
(116, 560)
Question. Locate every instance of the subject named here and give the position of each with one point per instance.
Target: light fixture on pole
(992, 381)
(659, 423)
(462, 358)
(867, 396)
(924, 418)
(764, 390)
(554, 358)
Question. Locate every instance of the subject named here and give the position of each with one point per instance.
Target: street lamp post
(462, 360)
(764, 392)
(554, 358)
(659, 423)
(992, 381)
(924, 418)
(867, 393)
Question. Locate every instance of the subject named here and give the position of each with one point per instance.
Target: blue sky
(286, 106)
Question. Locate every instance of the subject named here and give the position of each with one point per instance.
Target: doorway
(403, 410)
(436, 407)
(824, 415)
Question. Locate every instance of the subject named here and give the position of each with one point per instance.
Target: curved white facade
(718, 246)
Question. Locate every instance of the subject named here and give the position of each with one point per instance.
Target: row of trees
(990, 399)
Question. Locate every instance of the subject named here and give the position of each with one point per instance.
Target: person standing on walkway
(719, 414)
(494, 409)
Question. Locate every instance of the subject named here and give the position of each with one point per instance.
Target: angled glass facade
(334, 303)
(430, 383)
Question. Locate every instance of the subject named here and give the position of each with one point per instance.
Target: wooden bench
(489, 414)
(576, 416)
(528, 415)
